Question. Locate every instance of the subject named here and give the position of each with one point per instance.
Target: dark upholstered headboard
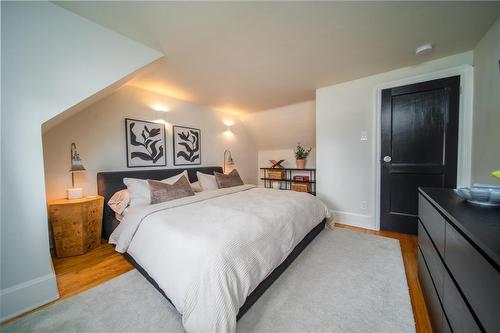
(108, 183)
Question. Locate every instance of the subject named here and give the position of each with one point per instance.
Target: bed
(214, 254)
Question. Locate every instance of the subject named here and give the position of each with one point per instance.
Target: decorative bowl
(481, 194)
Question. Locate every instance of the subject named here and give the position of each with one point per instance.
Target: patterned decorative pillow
(230, 180)
(161, 192)
(119, 201)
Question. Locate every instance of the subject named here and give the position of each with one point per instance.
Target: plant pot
(301, 164)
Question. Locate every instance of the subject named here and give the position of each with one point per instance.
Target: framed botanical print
(146, 143)
(187, 145)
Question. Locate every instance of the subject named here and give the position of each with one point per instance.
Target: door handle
(387, 159)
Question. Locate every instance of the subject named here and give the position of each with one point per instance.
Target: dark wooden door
(419, 127)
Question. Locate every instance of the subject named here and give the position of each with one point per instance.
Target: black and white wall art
(146, 143)
(187, 145)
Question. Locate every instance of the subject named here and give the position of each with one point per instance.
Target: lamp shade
(76, 165)
(228, 162)
(76, 162)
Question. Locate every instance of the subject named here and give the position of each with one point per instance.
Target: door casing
(466, 73)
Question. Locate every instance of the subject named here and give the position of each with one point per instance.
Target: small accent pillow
(230, 180)
(120, 217)
(207, 182)
(196, 187)
(119, 201)
(161, 192)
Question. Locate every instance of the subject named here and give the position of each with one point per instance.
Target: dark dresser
(459, 262)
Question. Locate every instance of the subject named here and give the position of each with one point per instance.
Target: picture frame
(186, 145)
(146, 143)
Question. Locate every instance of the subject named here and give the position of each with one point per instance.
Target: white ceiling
(251, 56)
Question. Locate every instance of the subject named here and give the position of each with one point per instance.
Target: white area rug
(342, 282)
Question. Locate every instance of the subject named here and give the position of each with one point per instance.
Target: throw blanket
(210, 251)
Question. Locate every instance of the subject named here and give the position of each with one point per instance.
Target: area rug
(343, 282)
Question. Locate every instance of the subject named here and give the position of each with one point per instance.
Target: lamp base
(75, 193)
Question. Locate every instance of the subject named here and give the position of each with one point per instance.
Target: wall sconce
(228, 131)
(76, 166)
(228, 162)
(160, 107)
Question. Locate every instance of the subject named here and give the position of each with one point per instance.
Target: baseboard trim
(26, 296)
(354, 219)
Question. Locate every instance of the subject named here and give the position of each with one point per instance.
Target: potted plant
(301, 154)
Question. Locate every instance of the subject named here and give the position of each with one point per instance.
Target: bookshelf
(287, 181)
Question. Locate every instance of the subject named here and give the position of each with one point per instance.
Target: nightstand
(76, 224)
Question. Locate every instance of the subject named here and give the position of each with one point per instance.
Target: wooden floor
(76, 274)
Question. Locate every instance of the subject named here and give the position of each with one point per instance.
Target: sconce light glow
(160, 107)
(229, 122)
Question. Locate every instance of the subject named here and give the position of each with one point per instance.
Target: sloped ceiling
(251, 56)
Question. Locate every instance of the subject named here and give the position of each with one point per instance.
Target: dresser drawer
(431, 297)
(459, 315)
(479, 281)
(433, 222)
(446, 326)
(434, 262)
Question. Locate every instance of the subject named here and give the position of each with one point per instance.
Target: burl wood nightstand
(76, 224)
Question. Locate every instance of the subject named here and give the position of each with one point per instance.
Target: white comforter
(210, 251)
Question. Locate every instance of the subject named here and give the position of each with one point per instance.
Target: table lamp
(76, 166)
(228, 163)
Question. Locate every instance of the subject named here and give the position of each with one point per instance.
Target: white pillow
(119, 201)
(139, 188)
(175, 178)
(207, 182)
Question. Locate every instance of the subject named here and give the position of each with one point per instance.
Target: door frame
(466, 73)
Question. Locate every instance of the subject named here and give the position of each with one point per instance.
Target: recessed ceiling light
(423, 49)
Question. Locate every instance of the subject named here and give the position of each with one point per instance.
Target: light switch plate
(364, 136)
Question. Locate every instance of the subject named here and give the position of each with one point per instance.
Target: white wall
(486, 148)
(346, 165)
(51, 60)
(276, 132)
(99, 133)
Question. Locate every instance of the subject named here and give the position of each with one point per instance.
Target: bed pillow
(175, 178)
(120, 217)
(229, 180)
(162, 192)
(119, 201)
(138, 190)
(196, 187)
(207, 182)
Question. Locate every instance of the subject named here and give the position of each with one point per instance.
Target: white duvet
(210, 251)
